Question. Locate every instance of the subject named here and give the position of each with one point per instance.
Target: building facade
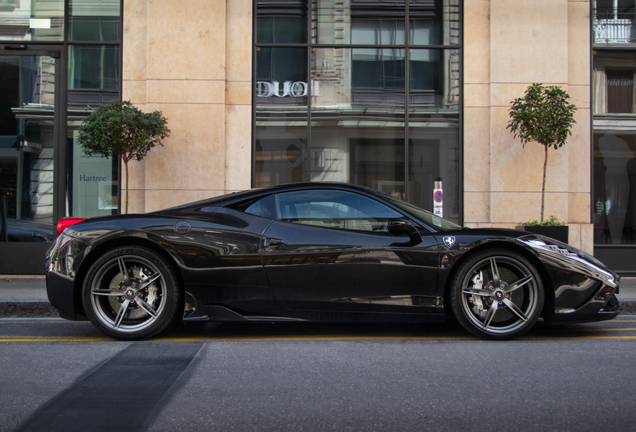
(397, 95)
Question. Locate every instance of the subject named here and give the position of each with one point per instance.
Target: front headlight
(568, 257)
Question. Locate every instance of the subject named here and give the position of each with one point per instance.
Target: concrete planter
(560, 233)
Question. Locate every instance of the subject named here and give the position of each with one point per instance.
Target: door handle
(268, 241)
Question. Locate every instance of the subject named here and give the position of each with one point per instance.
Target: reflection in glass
(434, 128)
(281, 23)
(31, 20)
(434, 78)
(94, 29)
(614, 198)
(434, 154)
(357, 129)
(613, 82)
(434, 22)
(92, 183)
(94, 8)
(281, 116)
(27, 101)
(94, 67)
(358, 22)
(281, 147)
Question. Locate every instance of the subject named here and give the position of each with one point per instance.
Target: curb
(46, 310)
(27, 310)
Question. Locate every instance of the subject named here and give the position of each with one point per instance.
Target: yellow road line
(43, 322)
(295, 338)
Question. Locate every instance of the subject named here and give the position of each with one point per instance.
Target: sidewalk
(25, 297)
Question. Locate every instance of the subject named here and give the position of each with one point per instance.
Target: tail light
(64, 223)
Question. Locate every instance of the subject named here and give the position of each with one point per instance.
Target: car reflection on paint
(317, 252)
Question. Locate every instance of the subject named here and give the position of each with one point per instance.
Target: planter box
(560, 233)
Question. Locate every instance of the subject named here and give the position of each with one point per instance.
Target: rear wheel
(497, 294)
(131, 293)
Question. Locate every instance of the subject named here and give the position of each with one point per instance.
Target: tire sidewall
(171, 296)
(457, 295)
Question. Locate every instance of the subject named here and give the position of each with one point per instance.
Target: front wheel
(131, 293)
(497, 294)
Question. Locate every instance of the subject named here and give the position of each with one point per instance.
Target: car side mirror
(400, 227)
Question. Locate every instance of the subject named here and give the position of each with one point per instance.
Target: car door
(331, 249)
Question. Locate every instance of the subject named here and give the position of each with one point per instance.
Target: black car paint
(230, 266)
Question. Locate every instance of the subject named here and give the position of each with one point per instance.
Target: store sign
(289, 89)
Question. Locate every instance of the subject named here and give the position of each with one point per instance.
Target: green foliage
(120, 129)
(543, 115)
(553, 221)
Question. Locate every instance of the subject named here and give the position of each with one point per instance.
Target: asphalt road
(59, 375)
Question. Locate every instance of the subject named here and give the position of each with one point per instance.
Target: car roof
(234, 197)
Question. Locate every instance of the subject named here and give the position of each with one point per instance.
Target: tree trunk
(545, 165)
(126, 164)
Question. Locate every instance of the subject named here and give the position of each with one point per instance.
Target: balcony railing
(614, 26)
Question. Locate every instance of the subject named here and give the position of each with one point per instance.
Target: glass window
(263, 207)
(27, 146)
(94, 67)
(614, 205)
(281, 22)
(281, 116)
(356, 97)
(31, 20)
(434, 22)
(334, 209)
(357, 128)
(92, 181)
(613, 82)
(94, 20)
(358, 22)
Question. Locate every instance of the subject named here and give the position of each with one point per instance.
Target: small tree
(543, 115)
(120, 129)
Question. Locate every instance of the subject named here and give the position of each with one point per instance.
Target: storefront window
(27, 146)
(614, 208)
(281, 116)
(354, 117)
(92, 184)
(614, 196)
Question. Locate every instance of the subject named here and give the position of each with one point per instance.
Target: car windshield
(427, 217)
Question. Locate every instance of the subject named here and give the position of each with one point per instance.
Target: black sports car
(317, 252)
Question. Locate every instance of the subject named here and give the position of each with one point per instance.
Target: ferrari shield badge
(449, 241)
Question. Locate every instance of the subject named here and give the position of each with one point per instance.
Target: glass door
(29, 143)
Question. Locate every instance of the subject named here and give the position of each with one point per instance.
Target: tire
(134, 304)
(497, 309)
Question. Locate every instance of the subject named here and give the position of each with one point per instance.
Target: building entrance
(29, 153)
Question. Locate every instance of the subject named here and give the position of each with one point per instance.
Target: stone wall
(192, 61)
(508, 45)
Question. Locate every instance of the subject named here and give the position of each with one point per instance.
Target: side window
(334, 209)
(263, 207)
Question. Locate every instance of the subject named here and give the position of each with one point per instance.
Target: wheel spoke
(121, 313)
(108, 292)
(478, 292)
(513, 307)
(148, 281)
(145, 306)
(518, 284)
(491, 314)
(496, 282)
(123, 271)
